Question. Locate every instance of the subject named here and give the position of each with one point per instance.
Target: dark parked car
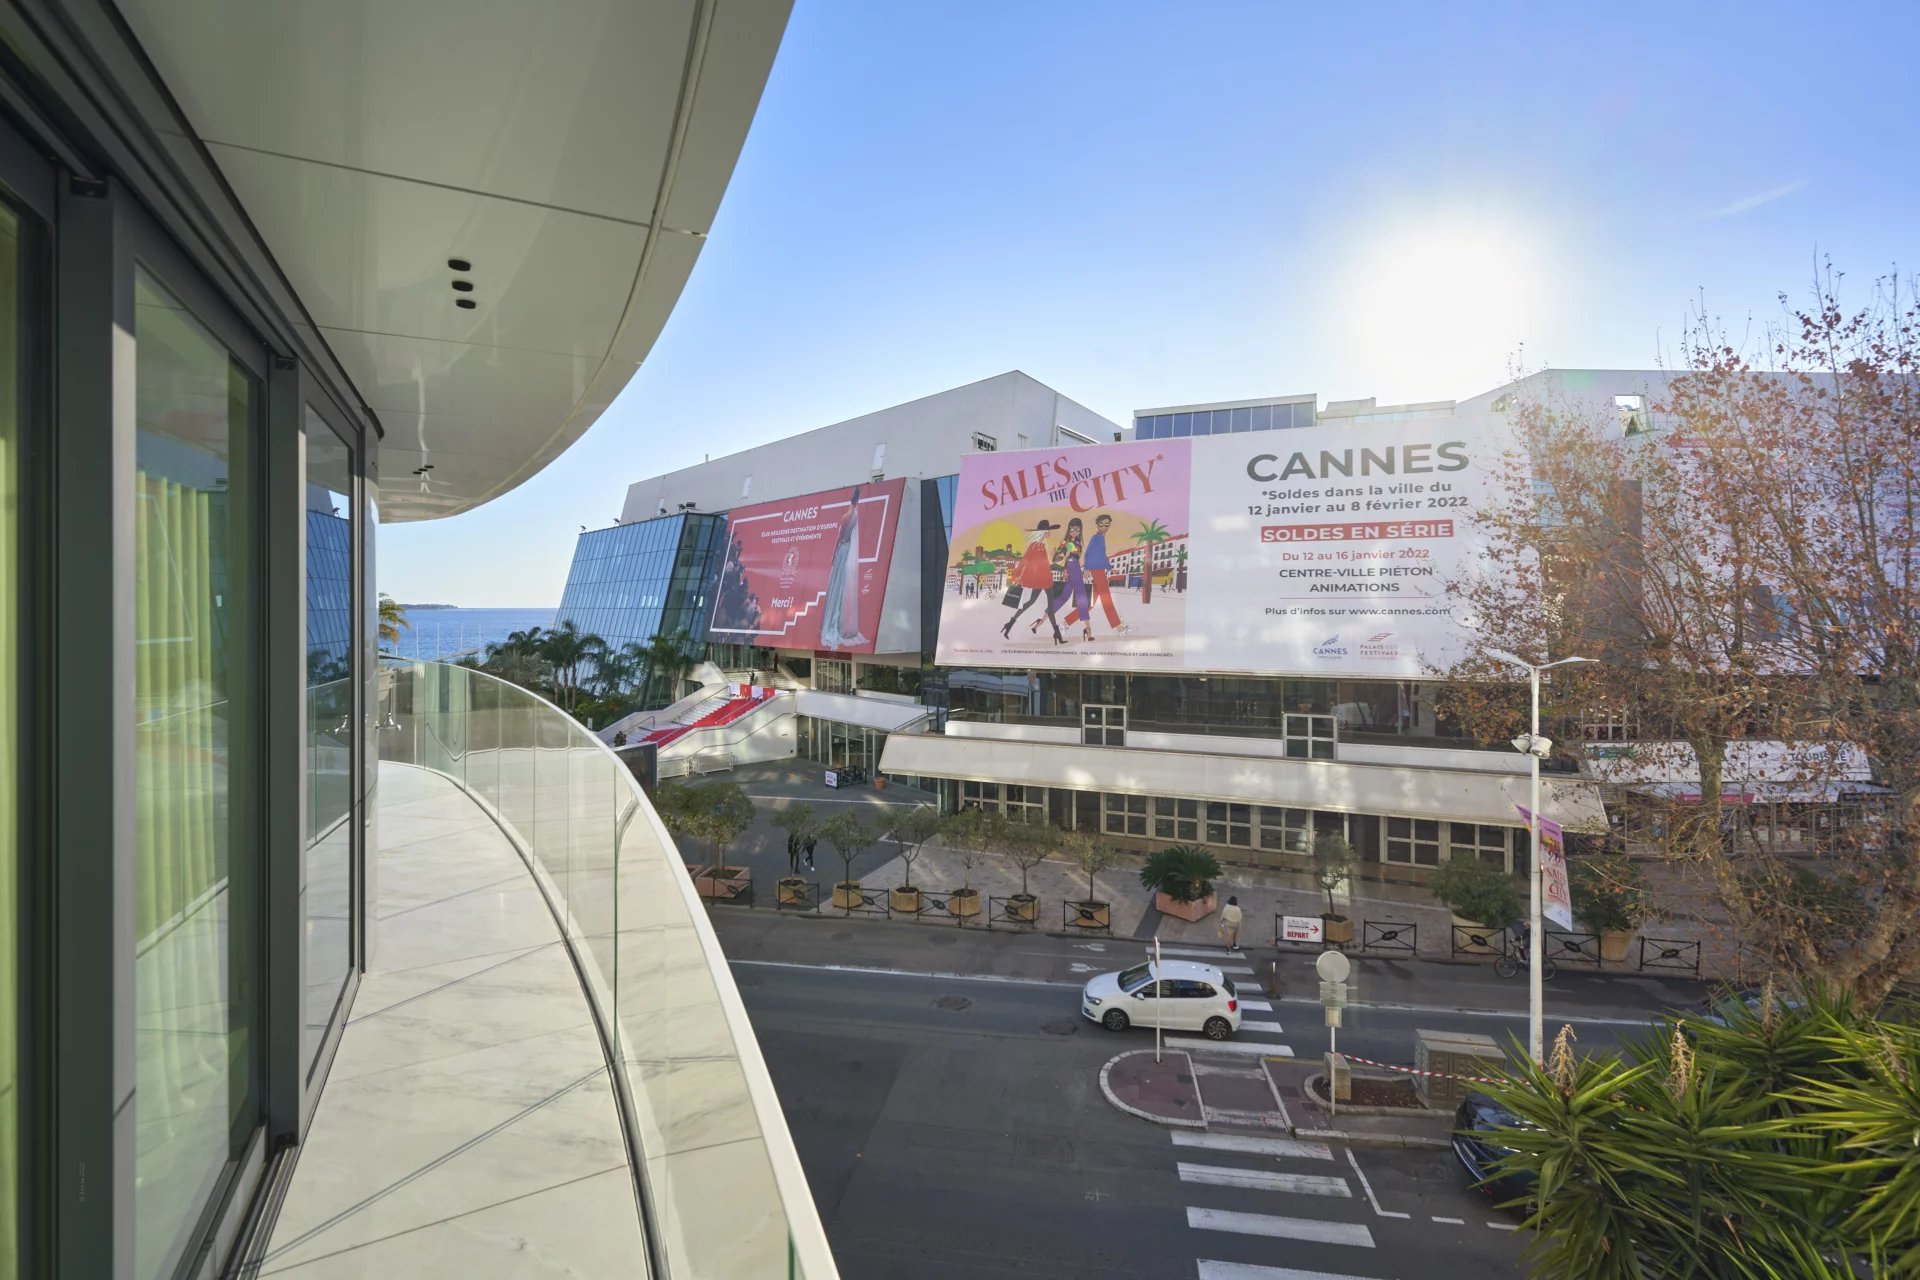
(1477, 1153)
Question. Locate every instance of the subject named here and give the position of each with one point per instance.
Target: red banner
(808, 572)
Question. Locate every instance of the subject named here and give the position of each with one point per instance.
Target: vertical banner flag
(1556, 902)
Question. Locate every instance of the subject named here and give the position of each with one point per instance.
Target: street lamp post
(1536, 748)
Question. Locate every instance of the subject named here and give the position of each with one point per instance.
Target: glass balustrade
(723, 1193)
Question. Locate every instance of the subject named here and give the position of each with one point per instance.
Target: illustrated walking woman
(1070, 587)
(840, 612)
(1031, 577)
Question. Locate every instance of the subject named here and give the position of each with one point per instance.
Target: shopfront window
(1478, 840)
(195, 789)
(1124, 815)
(330, 727)
(1286, 830)
(1413, 842)
(1175, 819)
(1230, 824)
(833, 675)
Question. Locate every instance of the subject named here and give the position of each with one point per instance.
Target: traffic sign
(1333, 966)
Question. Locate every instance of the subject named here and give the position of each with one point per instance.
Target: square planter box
(1188, 911)
(722, 882)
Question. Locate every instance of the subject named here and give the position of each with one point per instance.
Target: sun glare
(1442, 306)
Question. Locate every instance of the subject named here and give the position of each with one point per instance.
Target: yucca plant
(1776, 1141)
(1184, 872)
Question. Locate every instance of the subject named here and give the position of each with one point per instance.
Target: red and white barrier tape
(1415, 1071)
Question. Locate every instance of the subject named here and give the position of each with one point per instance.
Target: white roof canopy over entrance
(1457, 795)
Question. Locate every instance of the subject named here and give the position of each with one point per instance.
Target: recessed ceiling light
(459, 264)
(465, 304)
(463, 286)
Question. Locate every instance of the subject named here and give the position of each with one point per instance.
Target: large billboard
(1318, 551)
(808, 572)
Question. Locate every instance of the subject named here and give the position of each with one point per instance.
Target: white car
(1189, 997)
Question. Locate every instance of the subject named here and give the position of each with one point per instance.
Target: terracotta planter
(791, 890)
(722, 882)
(906, 901)
(1188, 911)
(1615, 944)
(846, 894)
(1336, 928)
(1023, 906)
(1091, 913)
(879, 782)
(963, 902)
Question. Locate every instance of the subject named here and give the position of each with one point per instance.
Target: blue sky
(1155, 204)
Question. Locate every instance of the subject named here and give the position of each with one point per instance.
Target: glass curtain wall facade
(182, 794)
(1220, 422)
(634, 581)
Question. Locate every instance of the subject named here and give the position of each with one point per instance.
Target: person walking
(1032, 577)
(793, 853)
(1230, 923)
(807, 850)
(1097, 563)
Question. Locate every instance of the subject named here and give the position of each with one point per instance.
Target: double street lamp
(1536, 748)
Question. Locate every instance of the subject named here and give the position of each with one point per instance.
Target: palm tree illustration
(1149, 535)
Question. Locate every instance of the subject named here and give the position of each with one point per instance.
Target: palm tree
(1149, 535)
(1180, 567)
(393, 617)
(518, 658)
(668, 655)
(566, 647)
(616, 670)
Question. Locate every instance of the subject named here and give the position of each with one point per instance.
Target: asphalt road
(953, 1127)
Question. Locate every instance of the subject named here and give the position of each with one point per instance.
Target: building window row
(1220, 422)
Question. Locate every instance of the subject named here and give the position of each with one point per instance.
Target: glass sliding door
(12, 400)
(332, 662)
(196, 789)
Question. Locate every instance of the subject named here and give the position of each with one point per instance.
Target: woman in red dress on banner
(1032, 576)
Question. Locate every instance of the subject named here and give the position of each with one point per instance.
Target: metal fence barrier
(1479, 940)
(744, 898)
(1571, 948)
(1087, 917)
(939, 902)
(869, 902)
(1392, 936)
(1004, 911)
(1670, 954)
(806, 897)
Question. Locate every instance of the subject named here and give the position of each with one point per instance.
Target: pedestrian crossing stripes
(1255, 1006)
(1279, 1227)
(1242, 1144)
(1259, 1024)
(1233, 1073)
(1300, 1184)
(1250, 1119)
(1210, 1270)
(1200, 1044)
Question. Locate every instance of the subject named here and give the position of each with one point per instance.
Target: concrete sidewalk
(1311, 1118)
(1165, 1092)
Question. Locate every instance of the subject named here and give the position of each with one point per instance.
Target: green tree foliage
(1028, 844)
(1088, 855)
(800, 823)
(1780, 1139)
(1476, 890)
(850, 837)
(1334, 863)
(910, 829)
(1184, 872)
(393, 619)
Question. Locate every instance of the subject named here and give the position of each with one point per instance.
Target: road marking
(908, 973)
(1368, 1188)
(1503, 1226)
(1238, 1073)
(1259, 1024)
(1285, 1148)
(1458, 1222)
(1216, 953)
(1595, 1019)
(1253, 1119)
(1210, 1270)
(1267, 1224)
(1201, 1044)
(1303, 1184)
(1255, 1006)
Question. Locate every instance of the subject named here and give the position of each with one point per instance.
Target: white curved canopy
(572, 152)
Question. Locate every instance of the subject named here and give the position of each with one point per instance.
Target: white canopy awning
(883, 714)
(1454, 794)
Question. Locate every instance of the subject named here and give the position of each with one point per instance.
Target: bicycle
(1508, 966)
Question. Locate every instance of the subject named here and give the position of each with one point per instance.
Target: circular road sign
(1333, 966)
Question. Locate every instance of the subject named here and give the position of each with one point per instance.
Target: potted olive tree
(910, 829)
(1609, 897)
(1334, 863)
(850, 837)
(724, 811)
(1028, 845)
(801, 824)
(971, 834)
(1181, 877)
(1091, 857)
(682, 816)
(1480, 895)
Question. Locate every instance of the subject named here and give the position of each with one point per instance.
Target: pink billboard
(1071, 557)
(808, 572)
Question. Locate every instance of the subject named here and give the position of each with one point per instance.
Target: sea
(441, 634)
